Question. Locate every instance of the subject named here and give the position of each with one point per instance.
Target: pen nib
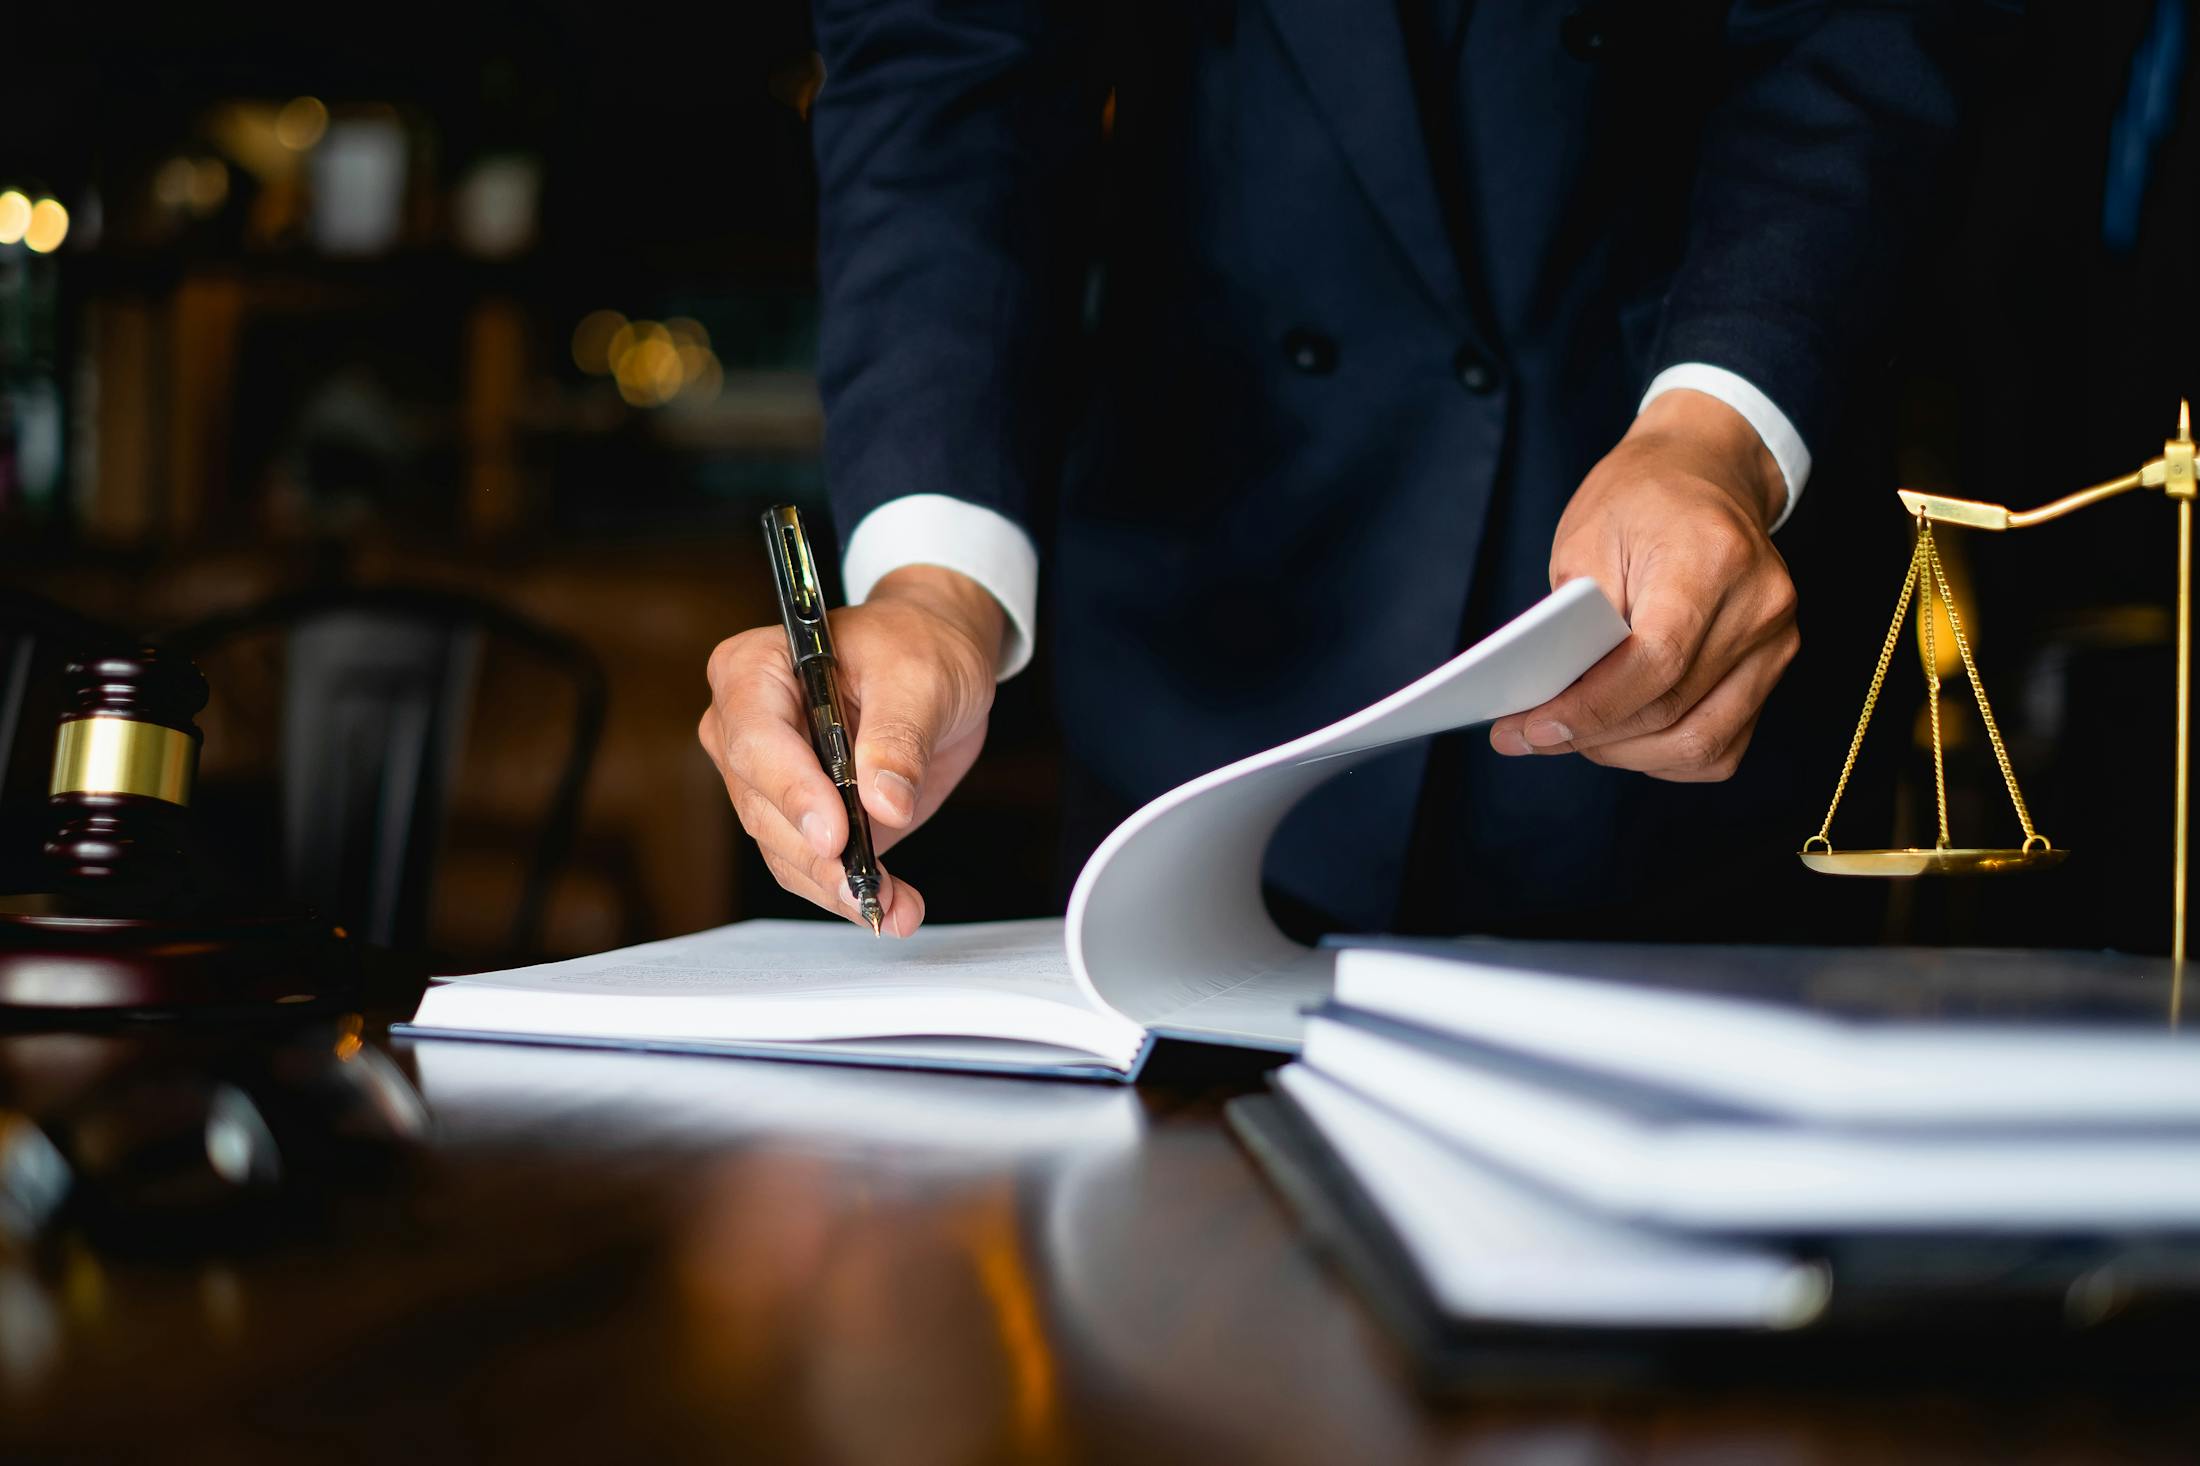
(873, 915)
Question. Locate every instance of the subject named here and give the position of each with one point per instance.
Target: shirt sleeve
(936, 529)
(1819, 174)
(1778, 434)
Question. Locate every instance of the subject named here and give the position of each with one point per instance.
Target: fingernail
(900, 795)
(848, 898)
(813, 830)
(1543, 733)
(1511, 744)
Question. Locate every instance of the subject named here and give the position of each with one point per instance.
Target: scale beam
(1974, 514)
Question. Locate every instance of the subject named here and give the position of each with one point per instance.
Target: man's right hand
(916, 679)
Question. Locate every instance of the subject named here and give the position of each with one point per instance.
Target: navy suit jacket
(1172, 286)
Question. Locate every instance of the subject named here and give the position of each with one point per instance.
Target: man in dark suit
(1299, 336)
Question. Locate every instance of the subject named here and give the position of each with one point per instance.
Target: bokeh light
(209, 185)
(592, 341)
(651, 363)
(704, 382)
(301, 123)
(648, 373)
(196, 185)
(172, 184)
(15, 216)
(49, 225)
(627, 337)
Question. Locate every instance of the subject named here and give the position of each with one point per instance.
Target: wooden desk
(638, 1258)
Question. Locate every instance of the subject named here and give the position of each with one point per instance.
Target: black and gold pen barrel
(810, 644)
(829, 736)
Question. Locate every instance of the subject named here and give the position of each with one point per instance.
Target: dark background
(207, 397)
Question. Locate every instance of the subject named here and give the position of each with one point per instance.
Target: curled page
(1166, 923)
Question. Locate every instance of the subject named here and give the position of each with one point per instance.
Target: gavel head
(133, 914)
(123, 767)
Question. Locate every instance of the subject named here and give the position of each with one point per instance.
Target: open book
(1166, 932)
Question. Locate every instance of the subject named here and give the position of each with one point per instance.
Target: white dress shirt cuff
(1778, 434)
(935, 529)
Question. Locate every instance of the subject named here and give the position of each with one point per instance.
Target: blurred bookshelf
(528, 311)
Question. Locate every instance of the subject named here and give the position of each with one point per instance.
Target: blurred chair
(36, 637)
(378, 688)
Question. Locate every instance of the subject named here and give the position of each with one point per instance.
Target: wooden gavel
(124, 764)
(130, 919)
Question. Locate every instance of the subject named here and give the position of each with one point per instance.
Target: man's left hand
(1673, 525)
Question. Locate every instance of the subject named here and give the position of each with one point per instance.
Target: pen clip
(801, 599)
(804, 599)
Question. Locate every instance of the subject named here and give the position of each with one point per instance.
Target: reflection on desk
(643, 1257)
(888, 1118)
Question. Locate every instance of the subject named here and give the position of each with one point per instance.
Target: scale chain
(1978, 690)
(1925, 619)
(1871, 698)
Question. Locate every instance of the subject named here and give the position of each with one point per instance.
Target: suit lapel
(1352, 58)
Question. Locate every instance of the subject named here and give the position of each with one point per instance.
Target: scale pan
(1928, 862)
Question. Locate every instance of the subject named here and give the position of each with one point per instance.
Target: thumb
(895, 735)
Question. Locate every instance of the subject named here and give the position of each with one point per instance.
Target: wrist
(1727, 448)
(952, 596)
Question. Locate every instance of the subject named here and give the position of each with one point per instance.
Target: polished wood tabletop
(632, 1257)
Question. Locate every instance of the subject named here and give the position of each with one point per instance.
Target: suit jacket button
(1475, 374)
(1310, 351)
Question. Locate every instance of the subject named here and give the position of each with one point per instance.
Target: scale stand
(2173, 474)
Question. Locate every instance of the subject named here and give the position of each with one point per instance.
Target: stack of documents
(1675, 1137)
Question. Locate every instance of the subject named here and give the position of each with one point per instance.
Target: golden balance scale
(1927, 581)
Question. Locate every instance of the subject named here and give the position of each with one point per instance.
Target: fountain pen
(810, 643)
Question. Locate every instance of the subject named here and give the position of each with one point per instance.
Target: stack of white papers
(1677, 1130)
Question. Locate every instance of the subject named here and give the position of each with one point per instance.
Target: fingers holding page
(1706, 745)
(1675, 519)
(1645, 683)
